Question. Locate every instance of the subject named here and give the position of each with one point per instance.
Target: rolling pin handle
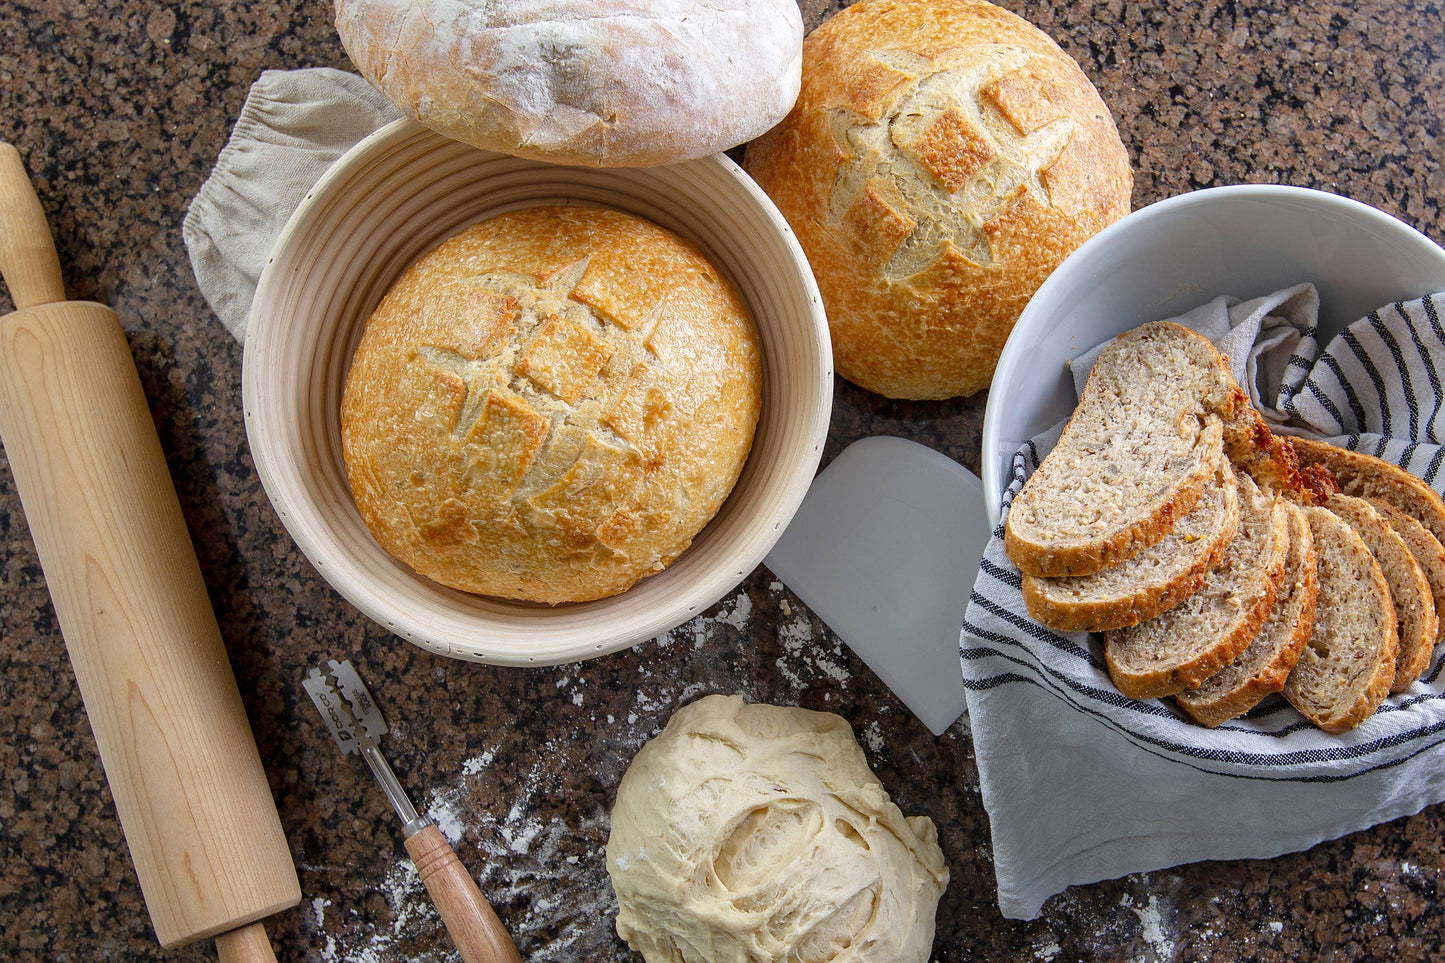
(28, 260)
(245, 945)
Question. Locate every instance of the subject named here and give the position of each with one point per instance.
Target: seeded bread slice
(1425, 547)
(1346, 670)
(1136, 456)
(1369, 477)
(1186, 645)
(1266, 664)
(1416, 621)
(1150, 583)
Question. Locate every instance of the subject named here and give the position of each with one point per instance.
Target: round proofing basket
(391, 199)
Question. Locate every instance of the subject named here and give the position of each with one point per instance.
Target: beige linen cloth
(293, 126)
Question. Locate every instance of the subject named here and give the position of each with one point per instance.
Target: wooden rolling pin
(132, 605)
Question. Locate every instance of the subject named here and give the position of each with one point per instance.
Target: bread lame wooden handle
(473, 925)
(132, 605)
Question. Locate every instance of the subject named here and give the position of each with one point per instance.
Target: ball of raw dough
(758, 833)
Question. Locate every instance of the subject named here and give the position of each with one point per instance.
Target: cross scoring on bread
(957, 146)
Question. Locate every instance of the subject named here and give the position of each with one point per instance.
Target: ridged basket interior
(391, 199)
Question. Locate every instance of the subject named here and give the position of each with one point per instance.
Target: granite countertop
(120, 108)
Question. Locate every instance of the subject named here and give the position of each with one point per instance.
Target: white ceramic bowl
(1164, 259)
(392, 198)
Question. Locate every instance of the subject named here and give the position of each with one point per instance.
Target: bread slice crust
(1369, 477)
(1348, 666)
(1425, 547)
(1191, 642)
(1416, 621)
(1149, 584)
(1267, 662)
(1136, 456)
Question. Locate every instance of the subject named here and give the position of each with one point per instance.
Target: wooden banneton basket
(391, 199)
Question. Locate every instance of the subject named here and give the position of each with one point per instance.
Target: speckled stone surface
(119, 109)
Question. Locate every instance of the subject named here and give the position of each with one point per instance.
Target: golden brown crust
(1369, 477)
(1122, 649)
(550, 405)
(1416, 623)
(1425, 547)
(1352, 590)
(941, 160)
(1066, 606)
(1295, 612)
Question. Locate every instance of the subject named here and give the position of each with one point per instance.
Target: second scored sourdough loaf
(943, 157)
(550, 405)
(1312, 593)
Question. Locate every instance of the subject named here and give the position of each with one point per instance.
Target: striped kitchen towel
(1083, 784)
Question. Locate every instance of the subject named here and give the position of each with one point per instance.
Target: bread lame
(147, 652)
(355, 722)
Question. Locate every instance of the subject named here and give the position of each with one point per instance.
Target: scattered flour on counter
(473, 766)
(872, 736)
(1048, 951)
(1155, 927)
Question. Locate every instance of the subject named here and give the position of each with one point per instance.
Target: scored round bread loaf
(602, 83)
(550, 405)
(1346, 669)
(1265, 665)
(1152, 582)
(943, 157)
(1189, 643)
(1138, 452)
(1416, 621)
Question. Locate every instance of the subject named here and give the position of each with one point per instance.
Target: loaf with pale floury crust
(1150, 583)
(1266, 664)
(1192, 641)
(1143, 445)
(1346, 670)
(1415, 619)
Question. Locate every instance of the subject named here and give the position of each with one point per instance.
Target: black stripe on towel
(1373, 373)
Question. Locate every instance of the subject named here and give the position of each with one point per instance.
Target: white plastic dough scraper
(884, 549)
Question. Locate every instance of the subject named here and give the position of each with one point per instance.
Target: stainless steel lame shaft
(356, 723)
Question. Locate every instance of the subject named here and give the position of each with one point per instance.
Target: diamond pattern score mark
(958, 148)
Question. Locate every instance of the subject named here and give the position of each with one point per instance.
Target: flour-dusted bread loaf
(1370, 477)
(941, 160)
(609, 83)
(1264, 666)
(1416, 621)
(1186, 645)
(1425, 547)
(1346, 670)
(550, 405)
(1152, 582)
(1141, 448)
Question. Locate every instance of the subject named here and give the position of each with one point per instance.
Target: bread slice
(1150, 583)
(1266, 664)
(1425, 547)
(1346, 670)
(1369, 477)
(1138, 453)
(1416, 621)
(1186, 645)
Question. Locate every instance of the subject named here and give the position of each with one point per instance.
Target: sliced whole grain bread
(1425, 547)
(1416, 621)
(1150, 583)
(1265, 665)
(1189, 643)
(1369, 477)
(1138, 453)
(1346, 669)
